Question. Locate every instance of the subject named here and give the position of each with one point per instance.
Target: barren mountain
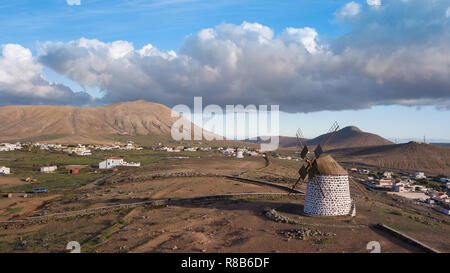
(408, 156)
(347, 137)
(85, 124)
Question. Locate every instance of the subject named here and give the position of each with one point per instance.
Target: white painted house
(5, 170)
(419, 175)
(113, 162)
(363, 171)
(110, 163)
(387, 175)
(48, 169)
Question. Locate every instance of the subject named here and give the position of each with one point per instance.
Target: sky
(380, 65)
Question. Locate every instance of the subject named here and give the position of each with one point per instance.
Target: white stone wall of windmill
(328, 192)
(328, 189)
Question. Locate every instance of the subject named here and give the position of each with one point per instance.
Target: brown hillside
(409, 156)
(78, 124)
(349, 137)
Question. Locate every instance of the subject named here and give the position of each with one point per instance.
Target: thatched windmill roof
(326, 165)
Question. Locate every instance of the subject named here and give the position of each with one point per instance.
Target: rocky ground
(270, 223)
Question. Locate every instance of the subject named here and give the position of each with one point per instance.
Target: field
(154, 208)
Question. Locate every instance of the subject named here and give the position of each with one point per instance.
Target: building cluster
(80, 150)
(129, 146)
(408, 184)
(239, 152)
(49, 146)
(5, 147)
(178, 149)
(229, 151)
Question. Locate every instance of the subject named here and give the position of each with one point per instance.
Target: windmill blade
(334, 128)
(318, 151)
(304, 152)
(312, 172)
(303, 172)
(294, 185)
(299, 136)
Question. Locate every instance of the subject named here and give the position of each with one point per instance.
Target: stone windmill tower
(328, 190)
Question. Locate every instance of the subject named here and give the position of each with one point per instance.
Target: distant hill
(408, 156)
(67, 124)
(441, 144)
(347, 137)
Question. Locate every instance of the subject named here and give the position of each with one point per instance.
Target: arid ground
(117, 212)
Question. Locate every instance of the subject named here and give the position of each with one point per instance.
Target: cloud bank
(22, 82)
(395, 54)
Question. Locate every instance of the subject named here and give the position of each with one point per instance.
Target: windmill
(310, 168)
(328, 191)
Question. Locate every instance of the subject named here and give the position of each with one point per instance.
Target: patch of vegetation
(274, 197)
(103, 237)
(395, 212)
(150, 207)
(419, 220)
(12, 211)
(430, 184)
(5, 247)
(244, 200)
(57, 181)
(159, 206)
(326, 241)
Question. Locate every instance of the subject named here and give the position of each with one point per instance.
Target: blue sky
(391, 94)
(164, 23)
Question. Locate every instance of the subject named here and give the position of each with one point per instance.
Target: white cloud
(73, 2)
(306, 36)
(447, 13)
(373, 2)
(248, 64)
(348, 10)
(21, 81)
(387, 57)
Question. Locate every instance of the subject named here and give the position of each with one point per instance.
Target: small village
(413, 186)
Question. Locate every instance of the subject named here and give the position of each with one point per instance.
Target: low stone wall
(265, 183)
(142, 178)
(94, 211)
(406, 238)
